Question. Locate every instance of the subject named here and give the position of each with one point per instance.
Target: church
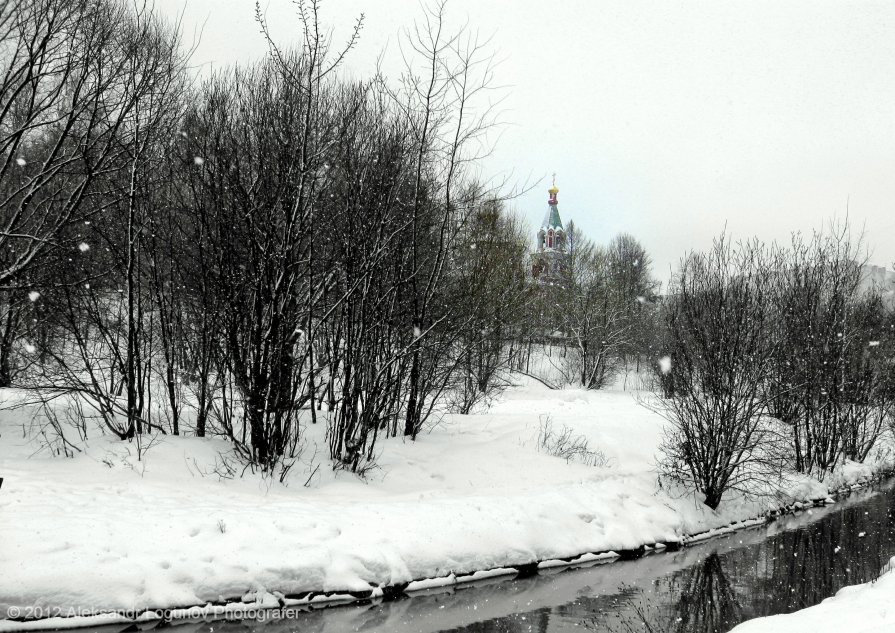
(548, 261)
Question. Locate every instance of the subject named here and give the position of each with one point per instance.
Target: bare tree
(111, 98)
(446, 74)
(827, 382)
(719, 321)
(488, 285)
(629, 270)
(592, 311)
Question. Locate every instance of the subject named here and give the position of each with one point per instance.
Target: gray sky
(665, 119)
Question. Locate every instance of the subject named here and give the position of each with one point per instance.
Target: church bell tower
(548, 261)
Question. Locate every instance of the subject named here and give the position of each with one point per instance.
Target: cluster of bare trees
(278, 246)
(274, 247)
(601, 318)
(86, 100)
(777, 359)
(834, 371)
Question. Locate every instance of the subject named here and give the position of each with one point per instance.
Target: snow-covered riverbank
(105, 531)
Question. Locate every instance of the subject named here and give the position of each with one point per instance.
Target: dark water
(793, 563)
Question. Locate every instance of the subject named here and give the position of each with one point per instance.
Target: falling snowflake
(83, 247)
(34, 295)
(417, 332)
(873, 344)
(21, 162)
(665, 364)
(30, 348)
(198, 160)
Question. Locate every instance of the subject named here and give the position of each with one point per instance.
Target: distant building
(879, 279)
(548, 261)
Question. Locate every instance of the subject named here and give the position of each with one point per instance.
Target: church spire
(552, 220)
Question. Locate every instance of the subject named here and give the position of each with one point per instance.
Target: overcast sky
(668, 120)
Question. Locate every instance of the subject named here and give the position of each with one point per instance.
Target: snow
(474, 498)
(584, 559)
(665, 365)
(453, 579)
(867, 608)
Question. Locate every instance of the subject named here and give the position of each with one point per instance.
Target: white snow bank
(104, 531)
(867, 608)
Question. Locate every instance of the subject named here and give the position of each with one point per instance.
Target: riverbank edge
(266, 604)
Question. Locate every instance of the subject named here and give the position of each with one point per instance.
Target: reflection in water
(709, 588)
(790, 570)
(708, 601)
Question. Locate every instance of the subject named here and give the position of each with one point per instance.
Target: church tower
(548, 262)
